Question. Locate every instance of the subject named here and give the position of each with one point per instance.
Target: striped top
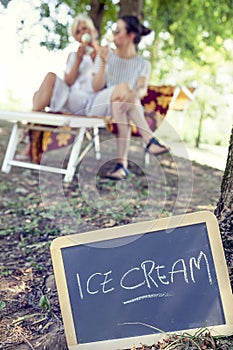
(122, 70)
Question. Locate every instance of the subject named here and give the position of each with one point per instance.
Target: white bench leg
(146, 159)
(11, 149)
(96, 142)
(74, 155)
(146, 155)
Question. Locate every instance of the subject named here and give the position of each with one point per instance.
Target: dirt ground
(37, 207)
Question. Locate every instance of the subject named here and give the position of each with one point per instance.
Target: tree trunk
(198, 138)
(127, 7)
(97, 12)
(224, 210)
(131, 7)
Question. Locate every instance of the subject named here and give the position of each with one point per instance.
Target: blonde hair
(87, 20)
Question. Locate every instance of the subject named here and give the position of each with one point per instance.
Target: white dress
(118, 70)
(74, 99)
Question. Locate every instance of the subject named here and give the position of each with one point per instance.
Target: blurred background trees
(188, 28)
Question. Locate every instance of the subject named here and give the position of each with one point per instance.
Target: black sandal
(111, 176)
(154, 141)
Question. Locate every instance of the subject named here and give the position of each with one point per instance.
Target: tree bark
(96, 13)
(131, 7)
(198, 138)
(127, 7)
(224, 210)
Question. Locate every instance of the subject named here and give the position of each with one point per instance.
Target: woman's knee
(123, 86)
(50, 78)
(120, 91)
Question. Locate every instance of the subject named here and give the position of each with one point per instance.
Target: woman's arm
(99, 80)
(141, 89)
(72, 76)
(143, 80)
(132, 96)
(129, 97)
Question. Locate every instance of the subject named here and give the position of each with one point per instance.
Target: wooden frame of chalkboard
(133, 284)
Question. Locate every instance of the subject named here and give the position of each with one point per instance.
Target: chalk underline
(147, 296)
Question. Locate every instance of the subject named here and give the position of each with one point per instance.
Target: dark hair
(133, 25)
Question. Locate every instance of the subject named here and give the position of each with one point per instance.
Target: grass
(26, 224)
(185, 127)
(200, 340)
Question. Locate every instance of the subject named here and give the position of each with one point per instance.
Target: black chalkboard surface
(127, 284)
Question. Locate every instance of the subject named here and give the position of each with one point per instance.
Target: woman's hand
(128, 101)
(81, 51)
(103, 53)
(71, 77)
(128, 97)
(95, 46)
(99, 80)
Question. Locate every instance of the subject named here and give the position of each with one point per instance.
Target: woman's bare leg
(41, 99)
(42, 96)
(136, 115)
(122, 143)
(135, 112)
(123, 134)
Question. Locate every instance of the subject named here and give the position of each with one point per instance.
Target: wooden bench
(41, 120)
(156, 104)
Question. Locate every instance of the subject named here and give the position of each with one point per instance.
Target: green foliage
(208, 104)
(193, 39)
(185, 27)
(206, 120)
(2, 305)
(44, 303)
(4, 2)
(58, 34)
(191, 26)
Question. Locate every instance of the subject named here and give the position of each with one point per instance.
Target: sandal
(112, 176)
(154, 141)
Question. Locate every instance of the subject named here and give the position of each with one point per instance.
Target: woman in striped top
(120, 80)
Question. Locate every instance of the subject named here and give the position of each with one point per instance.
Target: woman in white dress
(71, 94)
(74, 92)
(121, 79)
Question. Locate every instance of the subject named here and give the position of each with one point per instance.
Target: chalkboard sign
(125, 285)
